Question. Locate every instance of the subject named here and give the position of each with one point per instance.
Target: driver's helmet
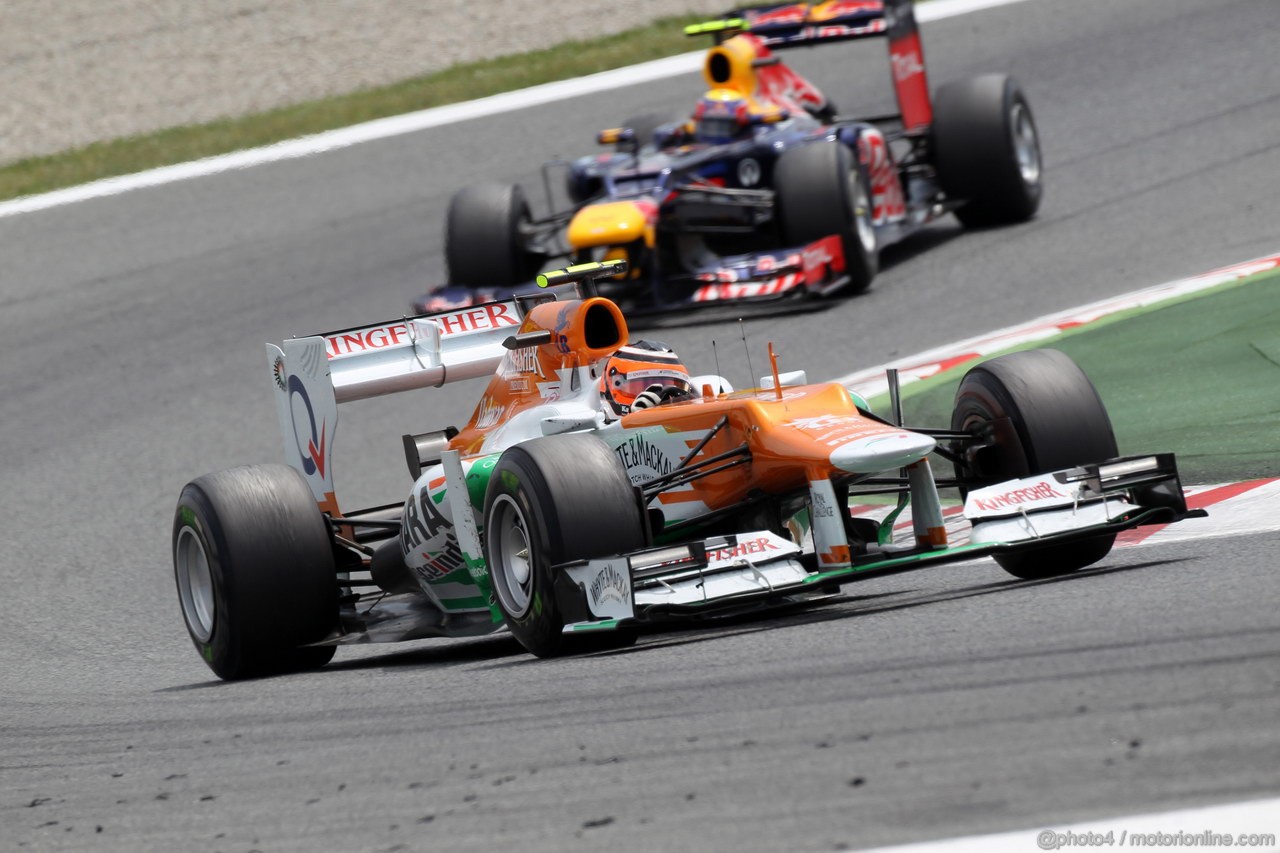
(637, 367)
(724, 115)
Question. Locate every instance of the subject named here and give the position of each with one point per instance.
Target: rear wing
(787, 25)
(784, 25)
(312, 375)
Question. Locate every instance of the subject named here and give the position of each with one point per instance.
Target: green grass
(1199, 377)
(454, 85)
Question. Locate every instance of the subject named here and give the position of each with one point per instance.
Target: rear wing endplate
(312, 375)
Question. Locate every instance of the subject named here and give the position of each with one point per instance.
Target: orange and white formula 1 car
(552, 517)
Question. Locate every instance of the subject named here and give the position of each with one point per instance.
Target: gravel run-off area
(81, 71)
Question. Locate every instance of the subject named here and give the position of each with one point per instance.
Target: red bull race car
(570, 512)
(764, 193)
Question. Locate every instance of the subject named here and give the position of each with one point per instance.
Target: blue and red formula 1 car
(763, 194)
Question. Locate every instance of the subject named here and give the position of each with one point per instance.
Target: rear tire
(821, 190)
(1039, 412)
(483, 243)
(254, 566)
(987, 150)
(552, 500)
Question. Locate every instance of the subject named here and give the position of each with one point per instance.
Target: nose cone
(612, 223)
(882, 451)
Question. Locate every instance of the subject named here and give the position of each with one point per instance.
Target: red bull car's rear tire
(987, 151)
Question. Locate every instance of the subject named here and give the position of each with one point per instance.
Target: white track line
(1200, 828)
(319, 143)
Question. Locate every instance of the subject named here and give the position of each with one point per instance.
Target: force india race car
(547, 516)
(764, 194)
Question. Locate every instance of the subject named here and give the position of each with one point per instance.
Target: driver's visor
(719, 129)
(634, 383)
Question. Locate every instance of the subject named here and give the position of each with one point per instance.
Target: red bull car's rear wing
(800, 24)
(787, 25)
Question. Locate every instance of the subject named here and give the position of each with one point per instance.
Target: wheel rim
(860, 207)
(1025, 145)
(510, 557)
(195, 584)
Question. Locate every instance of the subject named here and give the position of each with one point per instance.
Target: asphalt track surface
(944, 702)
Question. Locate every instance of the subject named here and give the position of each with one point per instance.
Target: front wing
(813, 270)
(732, 573)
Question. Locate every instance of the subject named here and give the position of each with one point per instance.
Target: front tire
(1038, 412)
(550, 501)
(987, 150)
(254, 566)
(484, 241)
(821, 190)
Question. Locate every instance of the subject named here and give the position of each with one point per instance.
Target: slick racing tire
(483, 243)
(987, 151)
(553, 500)
(821, 190)
(255, 571)
(1038, 412)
